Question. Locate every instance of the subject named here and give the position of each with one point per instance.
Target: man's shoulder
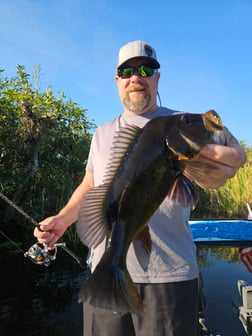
(109, 124)
(165, 111)
(160, 111)
(108, 127)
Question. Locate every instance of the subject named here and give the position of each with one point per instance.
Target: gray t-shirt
(173, 252)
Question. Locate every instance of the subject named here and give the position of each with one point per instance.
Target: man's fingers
(228, 156)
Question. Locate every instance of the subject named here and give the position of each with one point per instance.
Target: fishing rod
(38, 253)
(21, 211)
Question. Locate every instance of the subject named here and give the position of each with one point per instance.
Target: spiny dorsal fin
(123, 141)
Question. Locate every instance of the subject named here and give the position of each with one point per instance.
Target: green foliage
(229, 200)
(230, 254)
(44, 143)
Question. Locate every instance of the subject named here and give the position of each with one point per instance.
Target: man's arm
(52, 228)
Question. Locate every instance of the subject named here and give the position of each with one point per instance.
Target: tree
(44, 143)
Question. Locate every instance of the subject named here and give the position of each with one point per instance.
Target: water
(220, 281)
(40, 301)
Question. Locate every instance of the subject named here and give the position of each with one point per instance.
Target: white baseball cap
(137, 49)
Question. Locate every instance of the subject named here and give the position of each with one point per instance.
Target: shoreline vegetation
(44, 143)
(230, 200)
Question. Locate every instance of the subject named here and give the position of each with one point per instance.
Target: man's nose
(135, 77)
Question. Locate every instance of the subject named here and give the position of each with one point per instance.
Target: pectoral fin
(183, 192)
(198, 169)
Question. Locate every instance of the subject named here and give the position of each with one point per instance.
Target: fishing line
(11, 241)
(38, 253)
(159, 99)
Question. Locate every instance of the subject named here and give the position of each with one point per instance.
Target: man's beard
(139, 105)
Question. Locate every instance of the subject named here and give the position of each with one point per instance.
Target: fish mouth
(220, 138)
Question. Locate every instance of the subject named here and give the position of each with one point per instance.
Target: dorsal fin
(123, 141)
(92, 225)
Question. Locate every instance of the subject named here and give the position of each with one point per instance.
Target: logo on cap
(148, 50)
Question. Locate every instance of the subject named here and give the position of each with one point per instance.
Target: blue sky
(204, 47)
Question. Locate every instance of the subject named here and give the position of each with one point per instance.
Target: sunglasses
(142, 70)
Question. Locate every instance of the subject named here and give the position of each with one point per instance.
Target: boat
(222, 232)
(243, 306)
(230, 233)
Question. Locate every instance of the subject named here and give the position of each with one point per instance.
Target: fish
(147, 165)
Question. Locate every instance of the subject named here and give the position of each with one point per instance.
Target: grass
(229, 200)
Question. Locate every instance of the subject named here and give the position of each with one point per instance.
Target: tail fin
(111, 287)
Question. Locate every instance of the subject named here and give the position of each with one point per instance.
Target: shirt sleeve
(90, 161)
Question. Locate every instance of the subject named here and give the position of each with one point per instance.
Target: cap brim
(150, 61)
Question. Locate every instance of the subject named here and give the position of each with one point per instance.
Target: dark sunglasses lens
(142, 70)
(145, 71)
(127, 72)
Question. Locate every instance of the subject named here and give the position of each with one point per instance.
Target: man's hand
(224, 161)
(51, 229)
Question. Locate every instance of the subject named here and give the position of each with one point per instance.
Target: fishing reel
(39, 254)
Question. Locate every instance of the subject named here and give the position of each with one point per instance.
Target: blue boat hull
(222, 232)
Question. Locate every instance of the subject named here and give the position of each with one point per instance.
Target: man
(169, 286)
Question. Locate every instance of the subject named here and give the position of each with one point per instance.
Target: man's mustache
(135, 87)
